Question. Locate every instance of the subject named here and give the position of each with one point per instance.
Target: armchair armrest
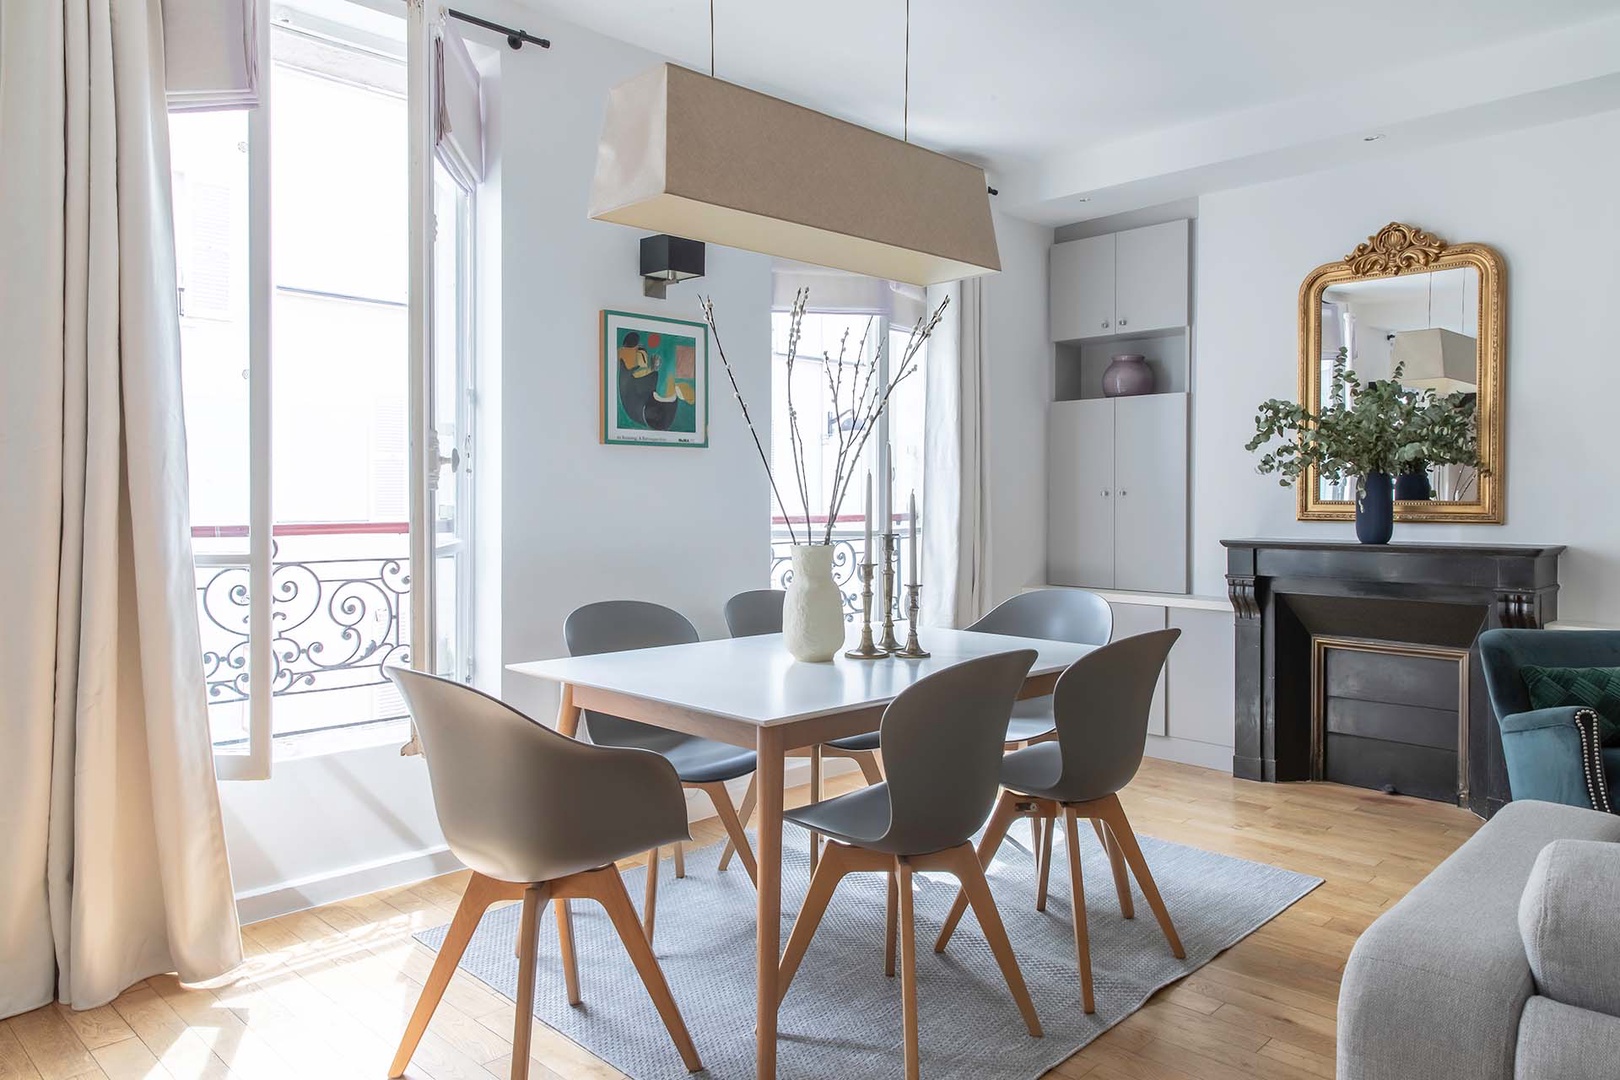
(1554, 755)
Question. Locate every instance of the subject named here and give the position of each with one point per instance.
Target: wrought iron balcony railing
(849, 535)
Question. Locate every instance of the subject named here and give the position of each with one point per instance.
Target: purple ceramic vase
(1128, 376)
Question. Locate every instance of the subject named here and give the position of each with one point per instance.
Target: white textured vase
(813, 613)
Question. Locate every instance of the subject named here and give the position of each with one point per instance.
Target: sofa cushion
(1436, 985)
(1567, 919)
(1561, 1042)
(1597, 688)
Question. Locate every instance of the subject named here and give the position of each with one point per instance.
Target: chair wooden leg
(649, 900)
(1114, 817)
(1006, 810)
(815, 797)
(908, 967)
(734, 827)
(523, 1027)
(744, 812)
(680, 859)
(1043, 861)
(1116, 859)
(1077, 893)
(890, 913)
(823, 883)
(971, 873)
(481, 892)
(565, 944)
(607, 887)
(868, 761)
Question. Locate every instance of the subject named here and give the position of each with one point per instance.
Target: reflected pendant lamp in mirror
(695, 156)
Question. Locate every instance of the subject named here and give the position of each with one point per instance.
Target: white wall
(1018, 379)
(1545, 199)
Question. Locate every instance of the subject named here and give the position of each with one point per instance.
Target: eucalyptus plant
(1376, 427)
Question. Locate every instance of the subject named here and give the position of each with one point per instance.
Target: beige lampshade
(693, 156)
(1440, 360)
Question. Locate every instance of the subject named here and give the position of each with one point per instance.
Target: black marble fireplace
(1357, 663)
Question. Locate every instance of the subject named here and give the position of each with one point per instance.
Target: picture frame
(654, 380)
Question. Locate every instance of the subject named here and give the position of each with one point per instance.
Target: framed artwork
(655, 380)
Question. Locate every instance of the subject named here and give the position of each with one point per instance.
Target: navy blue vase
(1375, 508)
(1413, 486)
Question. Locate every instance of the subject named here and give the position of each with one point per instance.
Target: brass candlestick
(889, 644)
(866, 650)
(912, 651)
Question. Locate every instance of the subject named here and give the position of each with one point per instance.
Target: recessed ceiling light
(1083, 198)
(1372, 138)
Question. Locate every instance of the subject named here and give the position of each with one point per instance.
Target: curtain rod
(515, 38)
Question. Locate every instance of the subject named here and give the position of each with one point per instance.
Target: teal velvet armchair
(1553, 755)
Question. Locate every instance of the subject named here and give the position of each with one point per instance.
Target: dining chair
(757, 612)
(702, 764)
(537, 816)
(1102, 703)
(941, 740)
(1057, 615)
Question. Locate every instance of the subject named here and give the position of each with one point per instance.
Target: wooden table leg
(568, 724)
(815, 797)
(567, 714)
(769, 939)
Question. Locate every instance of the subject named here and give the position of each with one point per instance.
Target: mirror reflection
(1422, 330)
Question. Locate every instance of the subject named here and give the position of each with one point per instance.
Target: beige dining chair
(757, 612)
(511, 796)
(1101, 703)
(942, 744)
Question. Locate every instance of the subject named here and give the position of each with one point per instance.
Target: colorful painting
(655, 380)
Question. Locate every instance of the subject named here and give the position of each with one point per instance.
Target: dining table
(751, 692)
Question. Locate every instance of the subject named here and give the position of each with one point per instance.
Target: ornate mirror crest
(1406, 296)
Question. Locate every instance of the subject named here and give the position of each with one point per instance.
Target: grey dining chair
(1102, 703)
(537, 816)
(1057, 615)
(703, 764)
(757, 612)
(942, 747)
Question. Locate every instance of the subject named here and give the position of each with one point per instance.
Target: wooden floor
(325, 993)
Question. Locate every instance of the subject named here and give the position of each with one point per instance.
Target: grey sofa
(1502, 963)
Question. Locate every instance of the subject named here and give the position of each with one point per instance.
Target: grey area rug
(841, 1017)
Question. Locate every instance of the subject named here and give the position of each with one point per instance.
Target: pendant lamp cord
(711, 38)
(905, 107)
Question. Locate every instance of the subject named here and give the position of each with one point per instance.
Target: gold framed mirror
(1407, 298)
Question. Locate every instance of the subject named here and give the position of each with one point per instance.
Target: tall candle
(868, 518)
(915, 580)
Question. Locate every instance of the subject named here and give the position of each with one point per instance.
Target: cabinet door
(1080, 499)
(1150, 501)
(1151, 278)
(1201, 690)
(1082, 288)
(1133, 619)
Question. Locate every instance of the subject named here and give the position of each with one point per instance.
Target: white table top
(757, 681)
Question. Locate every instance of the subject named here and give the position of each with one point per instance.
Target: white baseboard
(256, 905)
(1188, 752)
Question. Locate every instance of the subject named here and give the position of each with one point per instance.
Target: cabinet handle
(1123, 493)
(1105, 324)
(1122, 322)
(1105, 493)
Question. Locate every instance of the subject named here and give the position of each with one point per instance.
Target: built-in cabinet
(1117, 493)
(1120, 283)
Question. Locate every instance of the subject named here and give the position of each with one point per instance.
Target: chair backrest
(503, 785)
(750, 614)
(942, 743)
(1101, 704)
(1503, 652)
(619, 626)
(1054, 614)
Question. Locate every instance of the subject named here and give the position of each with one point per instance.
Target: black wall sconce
(667, 258)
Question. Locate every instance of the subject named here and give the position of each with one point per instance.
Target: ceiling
(1028, 88)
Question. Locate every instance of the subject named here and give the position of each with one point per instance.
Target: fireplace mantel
(1288, 593)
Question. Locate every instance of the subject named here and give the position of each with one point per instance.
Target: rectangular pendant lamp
(690, 155)
(1440, 360)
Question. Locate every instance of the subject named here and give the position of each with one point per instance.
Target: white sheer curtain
(956, 538)
(113, 864)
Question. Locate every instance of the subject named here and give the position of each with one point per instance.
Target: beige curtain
(113, 863)
(956, 510)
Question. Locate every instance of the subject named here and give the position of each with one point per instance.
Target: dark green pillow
(1597, 688)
